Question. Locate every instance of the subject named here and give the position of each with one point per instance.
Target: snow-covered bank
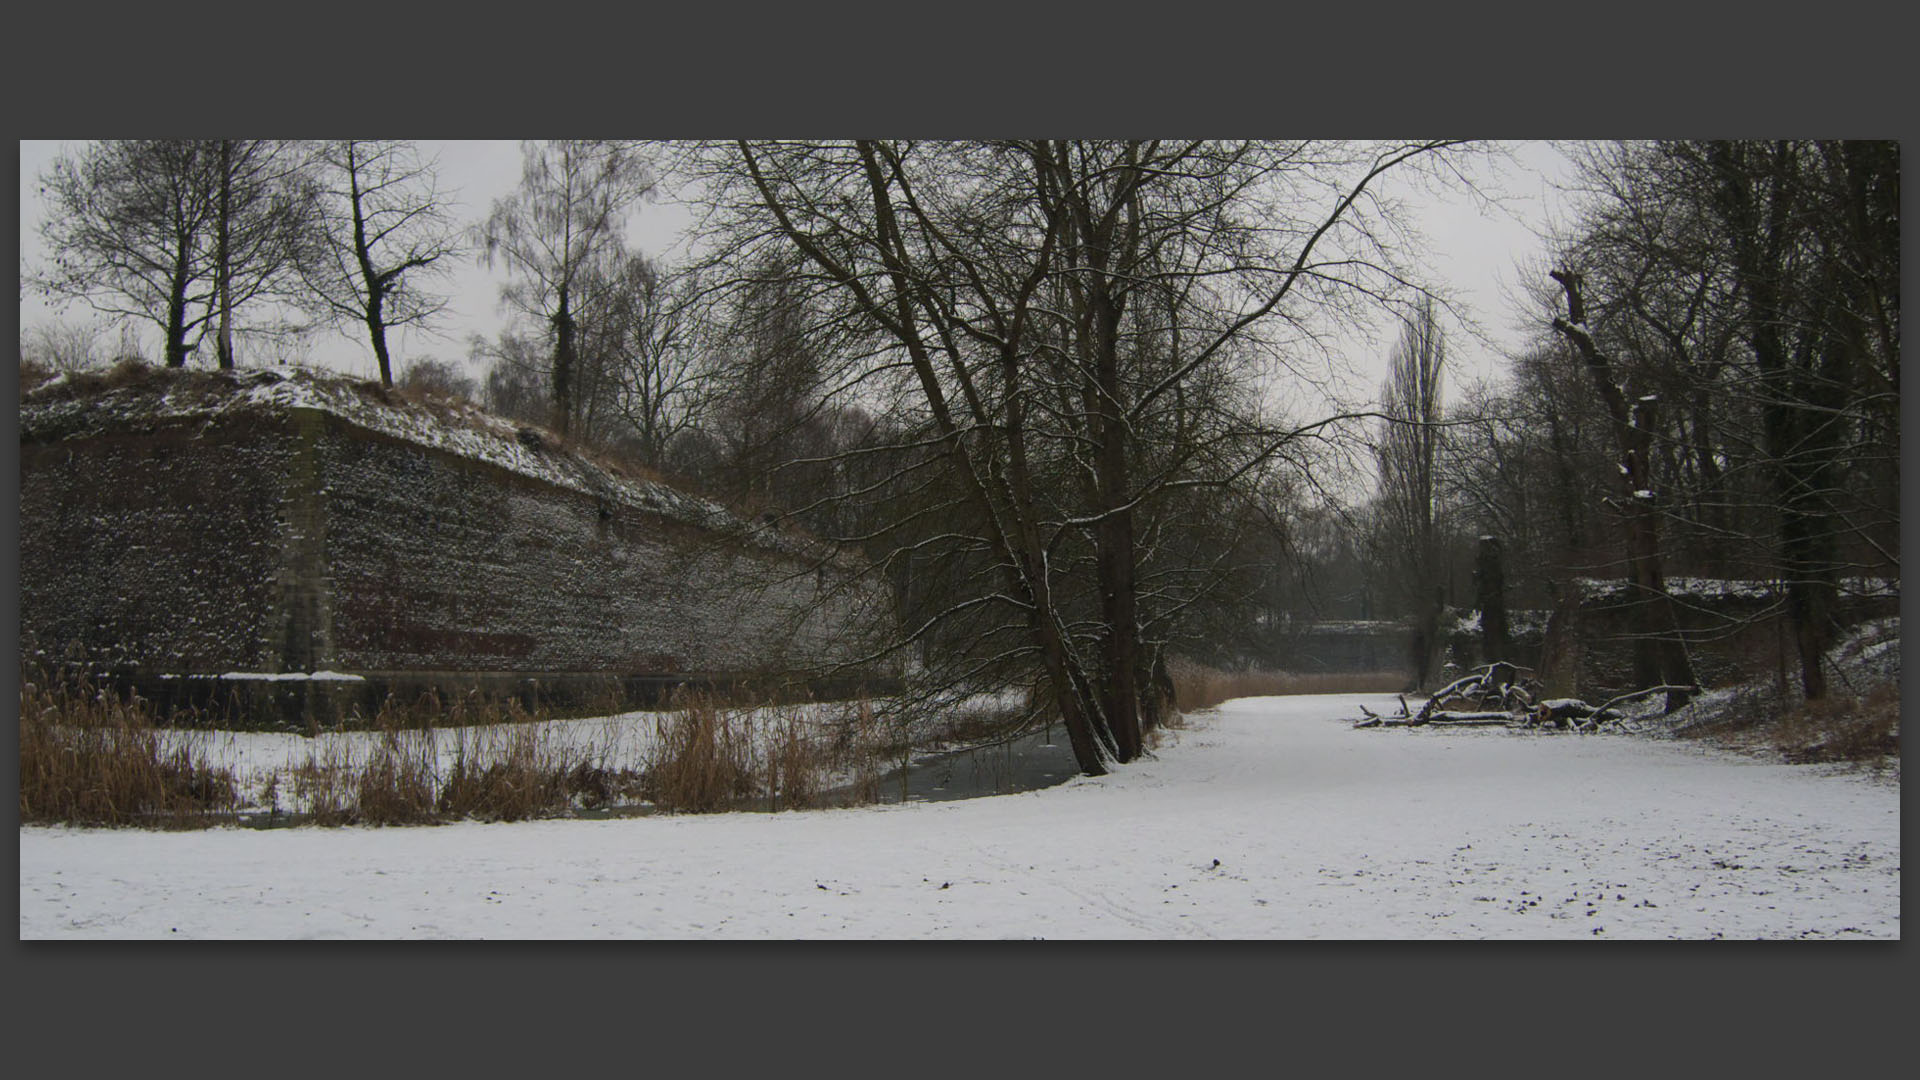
(1271, 819)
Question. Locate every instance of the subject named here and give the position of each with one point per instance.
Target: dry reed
(90, 756)
(1197, 686)
(701, 759)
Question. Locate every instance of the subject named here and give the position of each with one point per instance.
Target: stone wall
(196, 525)
(157, 547)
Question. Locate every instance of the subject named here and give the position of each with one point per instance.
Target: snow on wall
(1724, 591)
(284, 521)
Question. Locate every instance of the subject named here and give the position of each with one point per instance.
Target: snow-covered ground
(1270, 818)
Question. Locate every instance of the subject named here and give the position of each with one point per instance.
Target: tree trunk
(1114, 540)
(377, 332)
(223, 256)
(1490, 579)
(1428, 646)
(177, 311)
(1660, 653)
(1071, 695)
(1796, 418)
(375, 283)
(563, 366)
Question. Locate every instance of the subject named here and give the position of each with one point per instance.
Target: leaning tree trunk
(377, 333)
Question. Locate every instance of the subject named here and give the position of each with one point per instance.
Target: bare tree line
(1713, 391)
(1032, 382)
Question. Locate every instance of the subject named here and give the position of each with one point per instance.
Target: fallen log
(1559, 712)
(1470, 719)
(1661, 689)
(1445, 707)
(1497, 685)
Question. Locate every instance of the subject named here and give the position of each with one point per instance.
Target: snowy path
(1320, 831)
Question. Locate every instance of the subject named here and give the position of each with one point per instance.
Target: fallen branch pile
(1498, 695)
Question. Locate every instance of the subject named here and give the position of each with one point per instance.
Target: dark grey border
(1502, 70)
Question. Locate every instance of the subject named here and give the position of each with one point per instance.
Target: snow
(1270, 818)
(294, 676)
(1704, 588)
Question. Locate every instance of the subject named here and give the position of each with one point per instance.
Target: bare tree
(181, 233)
(264, 216)
(1812, 230)
(1043, 318)
(385, 230)
(129, 229)
(1733, 302)
(664, 374)
(1661, 654)
(515, 385)
(1408, 456)
(771, 360)
(567, 215)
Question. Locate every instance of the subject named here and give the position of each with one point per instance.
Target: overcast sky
(1475, 249)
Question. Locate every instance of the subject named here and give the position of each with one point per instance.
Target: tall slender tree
(1408, 457)
(264, 217)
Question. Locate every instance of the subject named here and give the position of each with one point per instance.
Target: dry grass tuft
(701, 760)
(792, 766)
(1860, 728)
(514, 772)
(91, 757)
(396, 786)
(1845, 728)
(32, 374)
